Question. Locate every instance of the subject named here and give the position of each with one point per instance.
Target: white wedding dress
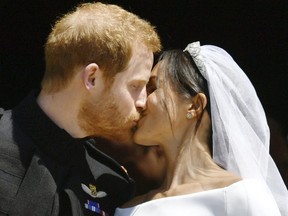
(245, 198)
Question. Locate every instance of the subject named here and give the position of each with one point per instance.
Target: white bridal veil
(240, 132)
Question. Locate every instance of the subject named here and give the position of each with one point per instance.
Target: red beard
(105, 120)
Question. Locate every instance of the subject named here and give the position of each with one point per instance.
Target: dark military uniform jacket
(44, 171)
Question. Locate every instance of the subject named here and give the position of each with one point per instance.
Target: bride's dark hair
(179, 73)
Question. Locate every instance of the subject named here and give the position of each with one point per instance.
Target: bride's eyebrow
(152, 79)
(152, 85)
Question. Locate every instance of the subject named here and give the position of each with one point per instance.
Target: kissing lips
(140, 122)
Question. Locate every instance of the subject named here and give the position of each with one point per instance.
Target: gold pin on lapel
(92, 191)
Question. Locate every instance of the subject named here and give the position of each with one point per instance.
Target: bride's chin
(138, 140)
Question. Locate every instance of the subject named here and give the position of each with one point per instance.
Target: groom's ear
(90, 74)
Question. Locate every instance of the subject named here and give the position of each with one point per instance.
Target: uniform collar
(44, 133)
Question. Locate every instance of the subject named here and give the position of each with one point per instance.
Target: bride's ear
(198, 105)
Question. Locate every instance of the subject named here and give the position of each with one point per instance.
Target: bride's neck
(194, 171)
(194, 164)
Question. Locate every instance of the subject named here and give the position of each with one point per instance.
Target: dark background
(254, 32)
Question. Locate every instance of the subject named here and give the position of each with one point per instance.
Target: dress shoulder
(246, 197)
(252, 198)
